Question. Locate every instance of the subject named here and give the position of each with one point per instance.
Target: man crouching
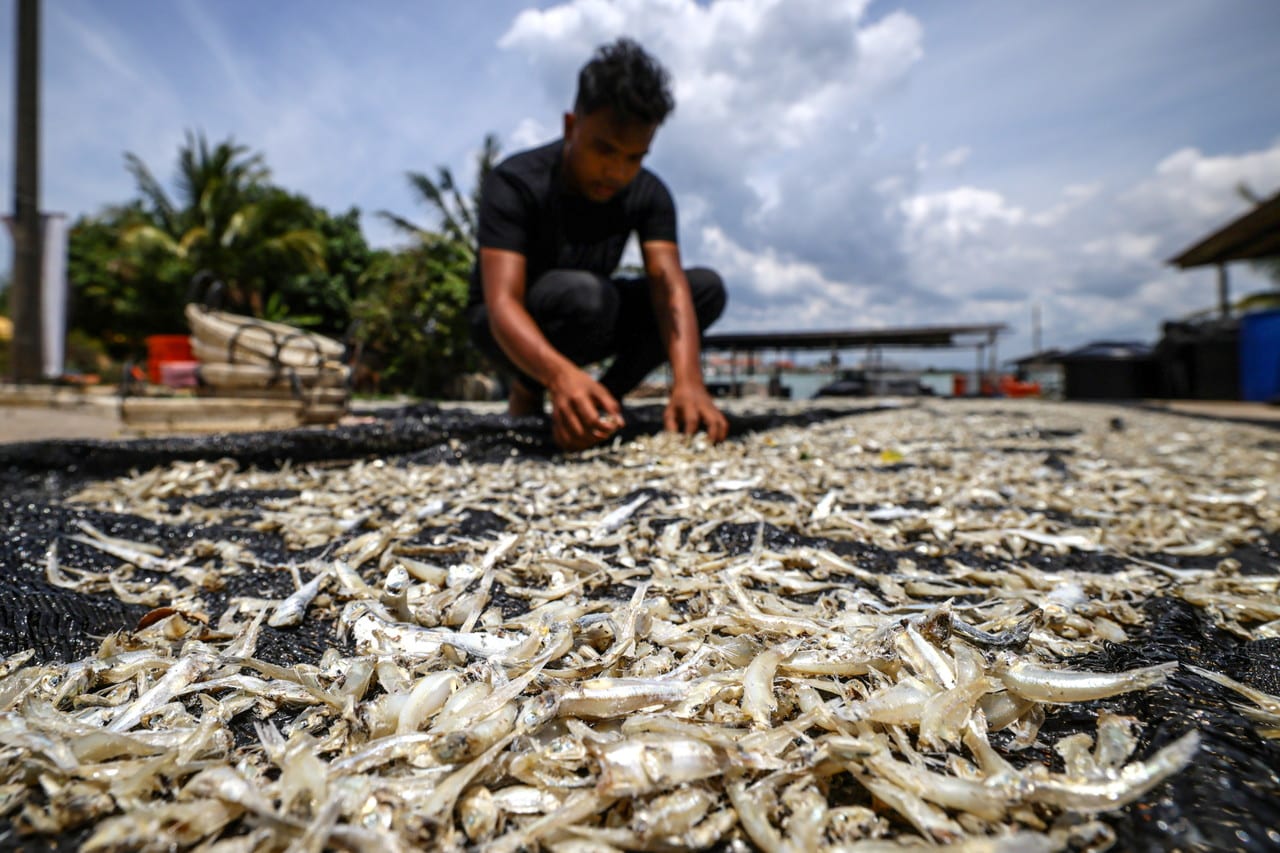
(554, 221)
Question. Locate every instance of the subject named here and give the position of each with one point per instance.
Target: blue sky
(844, 163)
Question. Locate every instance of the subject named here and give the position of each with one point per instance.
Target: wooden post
(1224, 296)
(26, 355)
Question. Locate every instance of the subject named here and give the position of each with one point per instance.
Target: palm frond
(151, 191)
(404, 225)
(485, 161)
(302, 244)
(145, 237)
(192, 238)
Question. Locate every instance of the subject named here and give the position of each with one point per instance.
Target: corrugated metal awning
(915, 336)
(1254, 235)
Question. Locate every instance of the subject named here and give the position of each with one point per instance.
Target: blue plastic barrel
(1260, 356)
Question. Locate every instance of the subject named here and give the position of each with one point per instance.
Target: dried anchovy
(647, 655)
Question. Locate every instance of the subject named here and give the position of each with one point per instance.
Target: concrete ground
(39, 413)
(36, 423)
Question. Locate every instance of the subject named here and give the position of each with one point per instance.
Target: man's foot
(521, 401)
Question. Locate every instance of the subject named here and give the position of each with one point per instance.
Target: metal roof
(916, 336)
(1254, 235)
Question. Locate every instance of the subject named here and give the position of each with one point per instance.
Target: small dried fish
(289, 612)
(1059, 685)
(539, 662)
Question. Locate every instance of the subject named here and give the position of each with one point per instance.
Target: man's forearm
(678, 325)
(525, 344)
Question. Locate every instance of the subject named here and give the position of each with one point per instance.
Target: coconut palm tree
(226, 219)
(412, 312)
(458, 214)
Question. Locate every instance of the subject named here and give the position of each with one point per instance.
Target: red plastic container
(163, 348)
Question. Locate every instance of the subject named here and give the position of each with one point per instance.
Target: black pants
(588, 318)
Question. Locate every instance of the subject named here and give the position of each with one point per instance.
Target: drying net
(818, 591)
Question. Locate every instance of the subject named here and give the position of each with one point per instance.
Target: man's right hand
(583, 412)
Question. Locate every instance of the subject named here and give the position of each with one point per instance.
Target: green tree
(321, 299)
(411, 317)
(280, 256)
(117, 296)
(227, 220)
(458, 214)
(412, 314)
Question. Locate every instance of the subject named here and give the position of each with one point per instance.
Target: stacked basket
(255, 359)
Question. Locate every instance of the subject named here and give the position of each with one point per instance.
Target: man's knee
(572, 298)
(709, 294)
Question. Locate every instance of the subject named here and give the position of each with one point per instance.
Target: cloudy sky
(844, 163)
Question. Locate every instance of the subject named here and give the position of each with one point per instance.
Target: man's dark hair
(625, 79)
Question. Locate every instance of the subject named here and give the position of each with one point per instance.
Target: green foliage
(412, 313)
(279, 256)
(321, 299)
(227, 220)
(1270, 267)
(1263, 300)
(458, 214)
(411, 317)
(119, 296)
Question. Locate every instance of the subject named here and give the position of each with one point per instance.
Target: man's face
(602, 154)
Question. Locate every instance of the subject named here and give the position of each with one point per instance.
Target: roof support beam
(1224, 291)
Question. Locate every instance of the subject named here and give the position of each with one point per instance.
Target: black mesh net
(1228, 798)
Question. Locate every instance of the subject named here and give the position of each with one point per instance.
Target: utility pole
(24, 300)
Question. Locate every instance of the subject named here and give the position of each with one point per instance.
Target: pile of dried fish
(866, 634)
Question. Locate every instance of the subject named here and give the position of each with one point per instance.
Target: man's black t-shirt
(525, 207)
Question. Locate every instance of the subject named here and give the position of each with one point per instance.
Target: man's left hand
(691, 407)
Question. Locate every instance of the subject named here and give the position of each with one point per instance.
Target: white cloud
(1125, 246)
(530, 132)
(841, 164)
(775, 154)
(759, 83)
(955, 158)
(774, 285)
(1190, 191)
(960, 213)
(1095, 260)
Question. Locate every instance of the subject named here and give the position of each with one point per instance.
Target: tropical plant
(321, 299)
(412, 314)
(411, 318)
(227, 220)
(458, 214)
(117, 296)
(131, 266)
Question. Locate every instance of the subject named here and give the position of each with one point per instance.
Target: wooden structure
(252, 375)
(169, 415)
(1252, 236)
(982, 337)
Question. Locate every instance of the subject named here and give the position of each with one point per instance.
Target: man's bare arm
(576, 398)
(690, 405)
